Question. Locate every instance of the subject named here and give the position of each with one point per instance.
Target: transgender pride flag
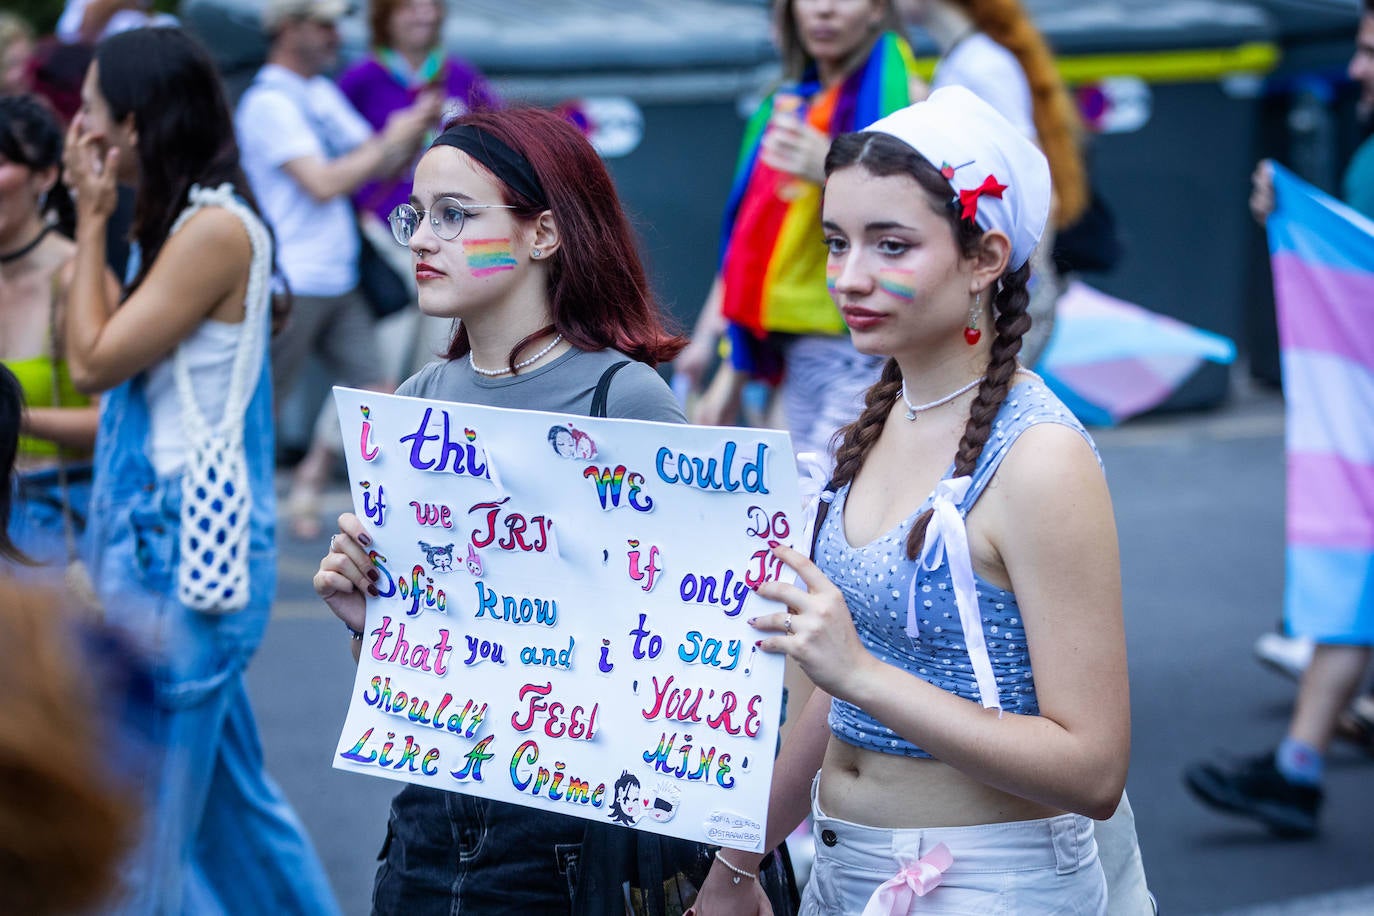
(1323, 260)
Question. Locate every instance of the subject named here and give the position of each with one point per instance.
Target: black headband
(504, 162)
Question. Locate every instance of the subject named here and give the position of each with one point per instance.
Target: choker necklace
(493, 373)
(9, 256)
(912, 410)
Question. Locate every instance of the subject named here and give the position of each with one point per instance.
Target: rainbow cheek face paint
(899, 284)
(832, 276)
(488, 256)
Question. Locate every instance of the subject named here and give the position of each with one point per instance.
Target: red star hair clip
(968, 199)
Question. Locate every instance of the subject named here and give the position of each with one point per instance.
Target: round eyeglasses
(446, 218)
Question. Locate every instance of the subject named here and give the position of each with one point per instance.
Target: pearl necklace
(493, 373)
(913, 409)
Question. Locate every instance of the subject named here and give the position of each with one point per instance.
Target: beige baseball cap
(277, 12)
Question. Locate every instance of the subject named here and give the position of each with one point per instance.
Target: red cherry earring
(971, 333)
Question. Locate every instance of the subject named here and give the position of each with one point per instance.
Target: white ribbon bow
(815, 474)
(893, 896)
(947, 541)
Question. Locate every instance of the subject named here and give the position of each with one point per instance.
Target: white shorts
(1023, 867)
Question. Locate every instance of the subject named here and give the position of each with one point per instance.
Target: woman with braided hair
(961, 619)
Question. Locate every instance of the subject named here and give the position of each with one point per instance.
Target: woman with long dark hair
(182, 548)
(570, 312)
(962, 617)
(52, 483)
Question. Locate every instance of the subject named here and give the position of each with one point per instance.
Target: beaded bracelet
(739, 872)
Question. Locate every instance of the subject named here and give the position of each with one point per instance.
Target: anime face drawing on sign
(625, 807)
(661, 803)
(439, 558)
(570, 442)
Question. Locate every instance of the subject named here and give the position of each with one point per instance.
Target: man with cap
(305, 149)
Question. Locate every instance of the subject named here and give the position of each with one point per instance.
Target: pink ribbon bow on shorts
(893, 896)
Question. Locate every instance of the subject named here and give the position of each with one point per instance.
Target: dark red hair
(598, 293)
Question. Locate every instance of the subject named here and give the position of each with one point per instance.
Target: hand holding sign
(816, 629)
(346, 573)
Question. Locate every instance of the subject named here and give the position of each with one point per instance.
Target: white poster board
(563, 612)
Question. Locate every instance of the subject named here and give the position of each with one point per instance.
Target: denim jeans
(36, 515)
(217, 834)
(447, 853)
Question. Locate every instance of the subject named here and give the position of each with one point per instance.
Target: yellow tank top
(35, 378)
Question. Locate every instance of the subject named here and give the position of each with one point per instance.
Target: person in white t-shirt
(305, 150)
(88, 21)
(992, 48)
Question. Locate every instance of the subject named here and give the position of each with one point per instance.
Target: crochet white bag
(216, 497)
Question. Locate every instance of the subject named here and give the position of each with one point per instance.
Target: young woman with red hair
(552, 302)
(993, 49)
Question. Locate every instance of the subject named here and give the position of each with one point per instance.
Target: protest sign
(562, 620)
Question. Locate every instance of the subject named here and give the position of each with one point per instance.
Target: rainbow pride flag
(772, 258)
(1323, 261)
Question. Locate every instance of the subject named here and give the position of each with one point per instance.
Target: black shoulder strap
(822, 510)
(603, 387)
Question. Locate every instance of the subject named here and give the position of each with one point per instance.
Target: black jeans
(447, 854)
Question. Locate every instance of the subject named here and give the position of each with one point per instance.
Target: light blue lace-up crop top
(875, 580)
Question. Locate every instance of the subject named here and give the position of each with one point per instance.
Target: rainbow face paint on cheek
(488, 256)
(832, 276)
(898, 283)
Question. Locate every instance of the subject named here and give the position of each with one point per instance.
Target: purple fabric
(377, 94)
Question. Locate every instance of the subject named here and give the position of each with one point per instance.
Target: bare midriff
(895, 792)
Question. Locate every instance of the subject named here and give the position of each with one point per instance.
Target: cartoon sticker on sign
(570, 634)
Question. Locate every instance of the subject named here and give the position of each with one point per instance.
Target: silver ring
(331, 541)
(787, 624)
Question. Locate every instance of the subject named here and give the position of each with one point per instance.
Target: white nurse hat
(1001, 180)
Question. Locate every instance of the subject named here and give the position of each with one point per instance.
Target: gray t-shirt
(565, 385)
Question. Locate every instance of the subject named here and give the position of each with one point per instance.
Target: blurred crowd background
(1178, 98)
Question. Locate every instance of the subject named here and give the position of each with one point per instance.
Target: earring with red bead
(971, 333)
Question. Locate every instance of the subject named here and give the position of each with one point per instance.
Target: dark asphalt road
(1199, 503)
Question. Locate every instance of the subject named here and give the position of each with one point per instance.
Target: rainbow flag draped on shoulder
(1322, 254)
(772, 259)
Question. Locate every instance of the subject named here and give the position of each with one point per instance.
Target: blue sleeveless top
(875, 580)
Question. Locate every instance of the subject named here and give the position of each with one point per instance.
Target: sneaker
(1254, 787)
(1286, 655)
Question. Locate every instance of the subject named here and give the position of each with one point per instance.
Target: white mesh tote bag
(216, 501)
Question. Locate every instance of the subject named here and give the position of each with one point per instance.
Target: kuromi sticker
(440, 558)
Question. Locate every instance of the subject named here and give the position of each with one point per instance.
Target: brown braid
(883, 155)
(1012, 323)
(858, 437)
